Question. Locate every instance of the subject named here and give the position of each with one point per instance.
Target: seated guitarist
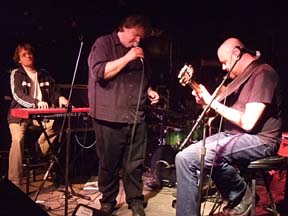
(251, 131)
(31, 87)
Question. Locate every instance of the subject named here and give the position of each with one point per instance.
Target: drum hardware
(165, 116)
(163, 159)
(170, 136)
(163, 166)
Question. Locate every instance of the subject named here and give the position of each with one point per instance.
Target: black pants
(117, 152)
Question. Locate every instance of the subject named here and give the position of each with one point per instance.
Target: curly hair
(25, 46)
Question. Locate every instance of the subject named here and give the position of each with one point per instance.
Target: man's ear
(236, 52)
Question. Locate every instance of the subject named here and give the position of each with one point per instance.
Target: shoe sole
(248, 210)
(243, 214)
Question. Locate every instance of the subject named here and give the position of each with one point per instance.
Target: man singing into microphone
(118, 89)
(251, 131)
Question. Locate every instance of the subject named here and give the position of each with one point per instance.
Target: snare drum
(174, 136)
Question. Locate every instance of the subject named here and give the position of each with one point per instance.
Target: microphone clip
(255, 53)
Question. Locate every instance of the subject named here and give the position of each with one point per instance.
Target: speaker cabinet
(79, 96)
(14, 202)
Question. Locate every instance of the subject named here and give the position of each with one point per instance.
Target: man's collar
(115, 38)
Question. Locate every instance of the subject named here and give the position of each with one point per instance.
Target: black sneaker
(107, 207)
(153, 185)
(243, 208)
(138, 210)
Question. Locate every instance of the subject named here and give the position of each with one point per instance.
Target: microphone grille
(135, 44)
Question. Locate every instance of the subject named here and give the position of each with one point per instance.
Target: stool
(262, 166)
(31, 161)
(28, 166)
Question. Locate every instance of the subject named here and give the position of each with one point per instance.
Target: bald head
(229, 55)
(227, 47)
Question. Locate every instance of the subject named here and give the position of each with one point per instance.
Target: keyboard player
(31, 87)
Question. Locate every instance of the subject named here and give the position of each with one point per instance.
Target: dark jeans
(117, 153)
(239, 149)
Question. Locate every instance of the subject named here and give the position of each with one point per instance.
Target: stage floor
(159, 201)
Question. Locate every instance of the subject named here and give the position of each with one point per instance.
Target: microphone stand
(203, 148)
(68, 135)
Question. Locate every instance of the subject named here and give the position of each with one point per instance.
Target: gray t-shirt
(262, 87)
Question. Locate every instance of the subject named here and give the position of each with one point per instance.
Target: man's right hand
(42, 105)
(134, 53)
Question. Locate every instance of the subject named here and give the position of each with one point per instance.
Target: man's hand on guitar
(202, 97)
(198, 98)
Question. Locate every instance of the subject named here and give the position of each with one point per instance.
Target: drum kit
(168, 129)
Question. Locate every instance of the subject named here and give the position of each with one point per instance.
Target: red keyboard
(33, 113)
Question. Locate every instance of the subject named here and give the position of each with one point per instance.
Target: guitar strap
(238, 81)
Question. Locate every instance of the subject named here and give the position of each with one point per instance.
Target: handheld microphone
(255, 53)
(136, 44)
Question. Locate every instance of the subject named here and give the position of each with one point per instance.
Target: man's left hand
(153, 96)
(63, 101)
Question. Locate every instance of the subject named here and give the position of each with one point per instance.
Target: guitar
(185, 75)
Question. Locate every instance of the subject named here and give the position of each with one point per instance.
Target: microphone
(136, 44)
(255, 53)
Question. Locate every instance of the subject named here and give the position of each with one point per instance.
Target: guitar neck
(195, 86)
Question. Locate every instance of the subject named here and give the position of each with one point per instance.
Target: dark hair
(136, 20)
(25, 46)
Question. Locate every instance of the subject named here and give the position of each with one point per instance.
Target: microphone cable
(136, 111)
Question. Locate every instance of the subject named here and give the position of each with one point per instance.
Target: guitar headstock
(185, 74)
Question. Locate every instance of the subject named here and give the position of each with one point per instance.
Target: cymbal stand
(155, 182)
(161, 140)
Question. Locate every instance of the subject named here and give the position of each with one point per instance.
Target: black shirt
(115, 100)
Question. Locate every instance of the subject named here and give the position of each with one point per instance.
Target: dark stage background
(185, 31)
